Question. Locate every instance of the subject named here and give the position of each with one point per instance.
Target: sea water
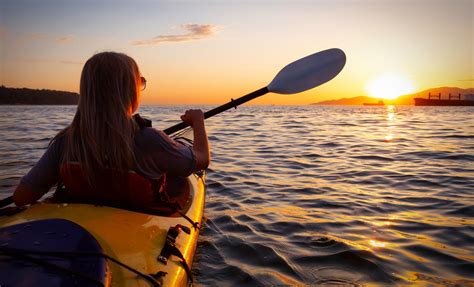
(308, 195)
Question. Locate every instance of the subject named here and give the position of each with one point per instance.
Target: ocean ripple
(314, 195)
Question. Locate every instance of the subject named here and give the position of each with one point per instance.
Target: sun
(389, 87)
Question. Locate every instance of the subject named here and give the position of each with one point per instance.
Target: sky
(207, 52)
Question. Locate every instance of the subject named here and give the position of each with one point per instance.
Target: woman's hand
(193, 117)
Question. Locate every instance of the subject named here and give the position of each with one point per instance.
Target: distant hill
(402, 100)
(356, 101)
(24, 96)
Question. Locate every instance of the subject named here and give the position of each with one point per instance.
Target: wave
(314, 195)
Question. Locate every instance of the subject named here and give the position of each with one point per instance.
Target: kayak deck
(134, 238)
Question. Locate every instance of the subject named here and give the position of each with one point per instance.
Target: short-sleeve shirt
(155, 154)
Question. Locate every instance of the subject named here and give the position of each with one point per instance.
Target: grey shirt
(155, 154)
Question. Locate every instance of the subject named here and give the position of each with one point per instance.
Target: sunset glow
(195, 53)
(389, 87)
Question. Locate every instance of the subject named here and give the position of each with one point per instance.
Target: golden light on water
(382, 223)
(389, 87)
(390, 121)
(390, 113)
(377, 243)
(388, 138)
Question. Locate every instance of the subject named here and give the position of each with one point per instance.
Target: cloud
(51, 61)
(70, 62)
(65, 39)
(194, 32)
(466, 80)
(3, 32)
(51, 38)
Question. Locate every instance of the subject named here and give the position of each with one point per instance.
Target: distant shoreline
(404, 100)
(25, 96)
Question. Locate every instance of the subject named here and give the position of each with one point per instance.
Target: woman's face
(141, 85)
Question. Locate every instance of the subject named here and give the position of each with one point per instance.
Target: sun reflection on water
(390, 123)
(382, 223)
(388, 138)
(377, 243)
(390, 113)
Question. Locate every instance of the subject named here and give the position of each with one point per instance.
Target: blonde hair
(101, 133)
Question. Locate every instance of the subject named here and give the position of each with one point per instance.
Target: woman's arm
(195, 118)
(24, 195)
(40, 178)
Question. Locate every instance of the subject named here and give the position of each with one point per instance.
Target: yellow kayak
(134, 239)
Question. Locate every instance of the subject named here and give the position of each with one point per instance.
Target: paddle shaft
(6, 201)
(232, 104)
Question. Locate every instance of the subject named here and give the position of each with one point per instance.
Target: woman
(95, 153)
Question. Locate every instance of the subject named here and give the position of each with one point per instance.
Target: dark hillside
(24, 96)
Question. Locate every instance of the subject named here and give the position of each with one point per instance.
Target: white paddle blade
(308, 72)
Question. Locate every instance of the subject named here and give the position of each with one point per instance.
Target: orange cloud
(194, 32)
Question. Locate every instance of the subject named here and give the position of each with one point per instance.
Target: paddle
(6, 201)
(301, 75)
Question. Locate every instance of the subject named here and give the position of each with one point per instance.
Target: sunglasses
(143, 83)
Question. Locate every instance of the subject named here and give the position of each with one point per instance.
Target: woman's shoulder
(150, 132)
(58, 141)
(151, 135)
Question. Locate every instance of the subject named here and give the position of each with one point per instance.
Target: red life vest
(128, 190)
(112, 188)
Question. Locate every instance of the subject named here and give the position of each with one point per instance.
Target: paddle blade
(308, 72)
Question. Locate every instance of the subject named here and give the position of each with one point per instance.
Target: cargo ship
(436, 100)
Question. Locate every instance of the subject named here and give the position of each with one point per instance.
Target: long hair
(101, 133)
